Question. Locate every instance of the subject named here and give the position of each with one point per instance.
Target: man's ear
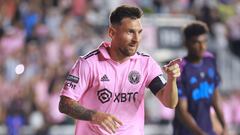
(186, 43)
(111, 32)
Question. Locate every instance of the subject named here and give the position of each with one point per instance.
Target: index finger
(116, 120)
(175, 61)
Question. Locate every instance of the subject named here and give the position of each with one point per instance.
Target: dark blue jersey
(197, 84)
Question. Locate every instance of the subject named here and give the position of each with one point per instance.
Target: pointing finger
(175, 61)
(165, 68)
(173, 67)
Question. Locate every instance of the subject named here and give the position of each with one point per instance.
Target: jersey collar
(103, 50)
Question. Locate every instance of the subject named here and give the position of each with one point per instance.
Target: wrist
(198, 131)
(171, 78)
(93, 115)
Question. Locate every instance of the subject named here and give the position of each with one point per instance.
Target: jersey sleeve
(155, 78)
(181, 89)
(181, 81)
(217, 79)
(77, 80)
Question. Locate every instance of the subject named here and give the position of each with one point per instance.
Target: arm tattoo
(73, 109)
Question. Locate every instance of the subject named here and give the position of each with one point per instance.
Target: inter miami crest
(134, 77)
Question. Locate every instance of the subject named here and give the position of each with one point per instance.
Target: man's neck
(193, 59)
(116, 55)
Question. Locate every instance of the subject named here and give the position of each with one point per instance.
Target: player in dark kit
(198, 86)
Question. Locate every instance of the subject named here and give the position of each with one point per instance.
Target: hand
(172, 68)
(199, 132)
(108, 122)
(203, 133)
(224, 132)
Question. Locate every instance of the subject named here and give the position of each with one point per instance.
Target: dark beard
(125, 52)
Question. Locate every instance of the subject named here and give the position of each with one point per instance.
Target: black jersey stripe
(94, 52)
(143, 54)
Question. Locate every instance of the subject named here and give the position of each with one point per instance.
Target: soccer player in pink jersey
(104, 90)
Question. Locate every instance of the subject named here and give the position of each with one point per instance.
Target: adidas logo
(104, 78)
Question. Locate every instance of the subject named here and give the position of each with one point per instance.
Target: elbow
(61, 106)
(171, 106)
(174, 104)
(170, 103)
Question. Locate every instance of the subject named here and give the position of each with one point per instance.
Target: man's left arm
(216, 106)
(169, 94)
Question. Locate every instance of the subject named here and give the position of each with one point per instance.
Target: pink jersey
(99, 83)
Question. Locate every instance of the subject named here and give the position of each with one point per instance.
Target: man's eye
(130, 31)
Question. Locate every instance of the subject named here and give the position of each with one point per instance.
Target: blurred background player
(198, 86)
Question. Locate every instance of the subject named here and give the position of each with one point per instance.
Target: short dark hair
(124, 11)
(195, 28)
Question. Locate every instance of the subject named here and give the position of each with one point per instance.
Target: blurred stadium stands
(48, 36)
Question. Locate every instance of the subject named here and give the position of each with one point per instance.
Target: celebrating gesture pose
(104, 90)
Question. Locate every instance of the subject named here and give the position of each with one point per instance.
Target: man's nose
(203, 45)
(136, 37)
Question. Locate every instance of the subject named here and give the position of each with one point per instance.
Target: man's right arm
(185, 117)
(73, 109)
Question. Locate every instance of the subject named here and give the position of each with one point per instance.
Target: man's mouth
(133, 45)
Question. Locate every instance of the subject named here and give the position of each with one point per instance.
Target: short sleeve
(181, 88)
(77, 80)
(180, 81)
(155, 78)
(217, 79)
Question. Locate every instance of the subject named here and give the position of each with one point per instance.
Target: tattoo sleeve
(73, 109)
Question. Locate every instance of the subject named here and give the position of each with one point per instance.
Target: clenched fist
(172, 68)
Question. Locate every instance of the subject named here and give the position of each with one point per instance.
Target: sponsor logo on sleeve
(71, 82)
(72, 78)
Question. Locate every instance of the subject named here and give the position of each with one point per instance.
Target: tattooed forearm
(73, 109)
